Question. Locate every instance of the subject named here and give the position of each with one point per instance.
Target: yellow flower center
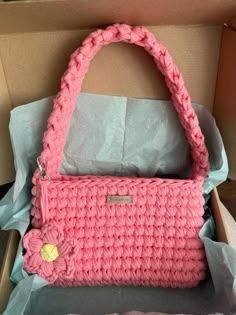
(49, 252)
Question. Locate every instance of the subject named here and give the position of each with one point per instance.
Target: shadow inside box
(227, 193)
(117, 300)
(4, 189)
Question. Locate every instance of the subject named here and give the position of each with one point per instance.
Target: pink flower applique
(49, 253)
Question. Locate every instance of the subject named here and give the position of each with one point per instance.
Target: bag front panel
(147, 237)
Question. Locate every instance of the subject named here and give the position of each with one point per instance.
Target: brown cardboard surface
(6, 286)
(217, 210)
(38, 37)
(6, 157)
(225, 99)
(229, 224)
(232, 23)
(226, 225)
(227, 193)
(24, 16)
(34, 62)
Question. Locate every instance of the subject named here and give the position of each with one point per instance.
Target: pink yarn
(153, 240)
(63, 266)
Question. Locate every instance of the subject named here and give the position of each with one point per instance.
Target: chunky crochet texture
(151, 240)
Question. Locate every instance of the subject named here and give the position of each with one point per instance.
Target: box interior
(48, 15)
(225, 97)
(37, 38)
(10, 240)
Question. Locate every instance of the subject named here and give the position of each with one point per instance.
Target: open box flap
(25, 16)
(232, 23)
(35, 48)
(225, 98)
(6, 286)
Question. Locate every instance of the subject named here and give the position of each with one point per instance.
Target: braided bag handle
(64, 103)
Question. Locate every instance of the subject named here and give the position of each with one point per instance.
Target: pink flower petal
(51, 234)
(26, 264)
(34, 234)
(60, 265)
(33, 262)
(65, 265)
(47, 272)
(35, 245)
(65, 248)
(46, 269)
(65, 269)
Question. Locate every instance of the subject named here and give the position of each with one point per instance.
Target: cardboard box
(8, 246)
(37, 38)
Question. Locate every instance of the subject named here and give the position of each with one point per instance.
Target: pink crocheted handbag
(104, 230)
